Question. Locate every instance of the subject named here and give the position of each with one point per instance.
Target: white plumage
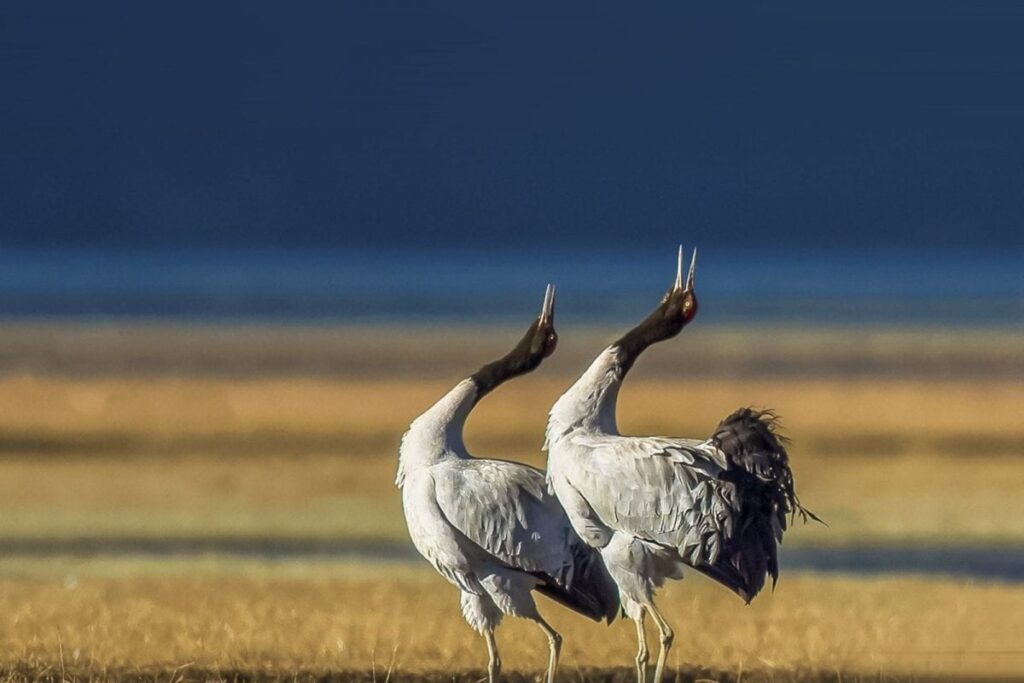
(652, 505)
(490, 527)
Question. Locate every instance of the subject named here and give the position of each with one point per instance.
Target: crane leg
(554, 648)
(667, 637)
(493, 659)
(642, 656)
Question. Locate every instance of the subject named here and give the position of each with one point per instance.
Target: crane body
(491, 527)
(655, 505)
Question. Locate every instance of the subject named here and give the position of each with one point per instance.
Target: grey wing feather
(661, 490)
(504, 509)
(722, 502)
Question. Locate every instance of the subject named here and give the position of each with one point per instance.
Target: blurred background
(243, 245)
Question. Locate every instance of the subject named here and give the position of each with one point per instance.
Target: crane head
(544, 338)
(538, 343)
(677, 308)
(540, 340)
(679, 305)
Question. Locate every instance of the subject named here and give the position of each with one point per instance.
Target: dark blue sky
(267, 124)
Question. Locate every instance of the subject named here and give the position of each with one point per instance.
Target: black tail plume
(591, 591)
(750, 439)
(764, 491)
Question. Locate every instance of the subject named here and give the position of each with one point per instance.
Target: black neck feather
(663, 323)
(524, 358)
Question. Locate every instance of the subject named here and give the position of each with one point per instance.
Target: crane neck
(654, 328)
(589, 404)
(437, 434)
(517, 362)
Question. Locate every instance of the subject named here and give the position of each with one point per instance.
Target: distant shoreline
(446, 286)
(397, 351)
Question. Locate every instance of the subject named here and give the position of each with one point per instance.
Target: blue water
(967, 562)
(947, 288)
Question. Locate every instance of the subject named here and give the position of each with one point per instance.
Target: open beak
(692, 274)
(677, 286)
(547, 310)
(679, 271)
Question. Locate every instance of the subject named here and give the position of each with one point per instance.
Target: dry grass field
(901, 438)
(410, 624)
(880, 459)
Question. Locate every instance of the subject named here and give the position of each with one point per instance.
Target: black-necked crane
(652, 505)
(491, 527)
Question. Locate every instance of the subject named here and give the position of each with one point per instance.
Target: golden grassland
(879, 459)
(410, 624)
(931, 456)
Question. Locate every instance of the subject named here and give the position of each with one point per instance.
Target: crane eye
(550, 343)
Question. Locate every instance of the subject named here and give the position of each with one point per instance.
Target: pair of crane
(614, 517)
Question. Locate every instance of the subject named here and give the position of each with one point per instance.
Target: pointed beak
(692, 274)
(547, 309)
(679, 271)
